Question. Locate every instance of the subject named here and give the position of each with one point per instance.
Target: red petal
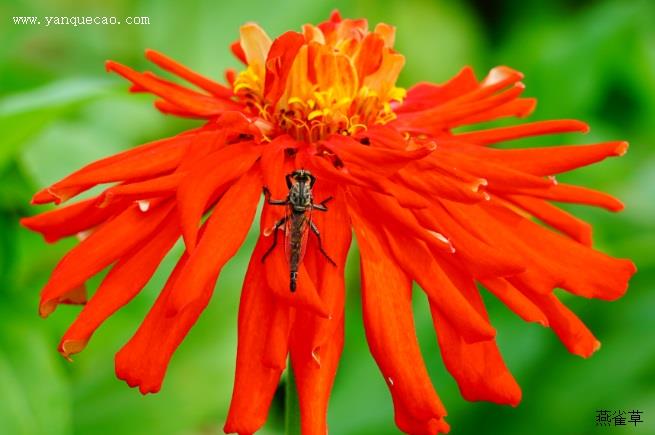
(71, 219)
(314, 371)
(237, 51)
(515, 300)
(226, 230)
(454, 114)
(369, 56)
(521, 107)
(583, 271)
(336, 233)
(548, 160)
(186, 99)
(554, 216)
(278, 64)
(434, 183)
(480, 258)
(359, 177)
(208, 179)
(110, 242)
(426, 95)
(414, 257)
(384, 161)
(398, 219)
(124, 281)
(502, 238)
(144, 161)
(277, 274)
(568, 327)
(143, 360)
(575, 194)
(477, 367)
(502, 134)
(168, 108)
(500, 176)
(141, 190)
(180, 70)
(389, 324)
(255, 382)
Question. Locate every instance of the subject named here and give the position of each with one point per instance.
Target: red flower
(427, 204)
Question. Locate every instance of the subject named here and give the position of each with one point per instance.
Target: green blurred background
(591, 60)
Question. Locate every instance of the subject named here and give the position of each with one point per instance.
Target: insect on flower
(297, 222)
(428, 204)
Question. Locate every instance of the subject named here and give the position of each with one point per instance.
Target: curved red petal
(389, 325)
(124, 281)
(207, 180)
(538, 128)
(104, 246)
(180, 70)
(255, 381)
(144, 359)
(226, 230)
(71, 219)
(477, 367)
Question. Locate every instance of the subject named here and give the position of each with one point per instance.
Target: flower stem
(292, 405)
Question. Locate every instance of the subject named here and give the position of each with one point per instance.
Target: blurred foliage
(591, 60)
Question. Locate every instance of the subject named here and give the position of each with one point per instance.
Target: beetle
(297, 221)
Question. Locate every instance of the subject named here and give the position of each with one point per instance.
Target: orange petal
(423, 96)
(479, 257)
(336, 233)
(256, 45)
(277, 275)
(279, 60)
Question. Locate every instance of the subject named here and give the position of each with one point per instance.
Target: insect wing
(295, 238)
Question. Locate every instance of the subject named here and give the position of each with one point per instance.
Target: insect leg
(321, 205)
(312, 180)
(320, 243)
(269, 200)
(277, 225)
(288, 180)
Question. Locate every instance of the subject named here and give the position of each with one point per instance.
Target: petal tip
(622, 148)
(70, 347)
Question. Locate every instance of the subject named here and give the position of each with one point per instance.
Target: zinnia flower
(428, 204)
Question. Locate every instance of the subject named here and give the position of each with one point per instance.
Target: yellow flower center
(341, 80)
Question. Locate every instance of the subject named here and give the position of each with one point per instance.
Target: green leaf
(24, 115)
(34, 391)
